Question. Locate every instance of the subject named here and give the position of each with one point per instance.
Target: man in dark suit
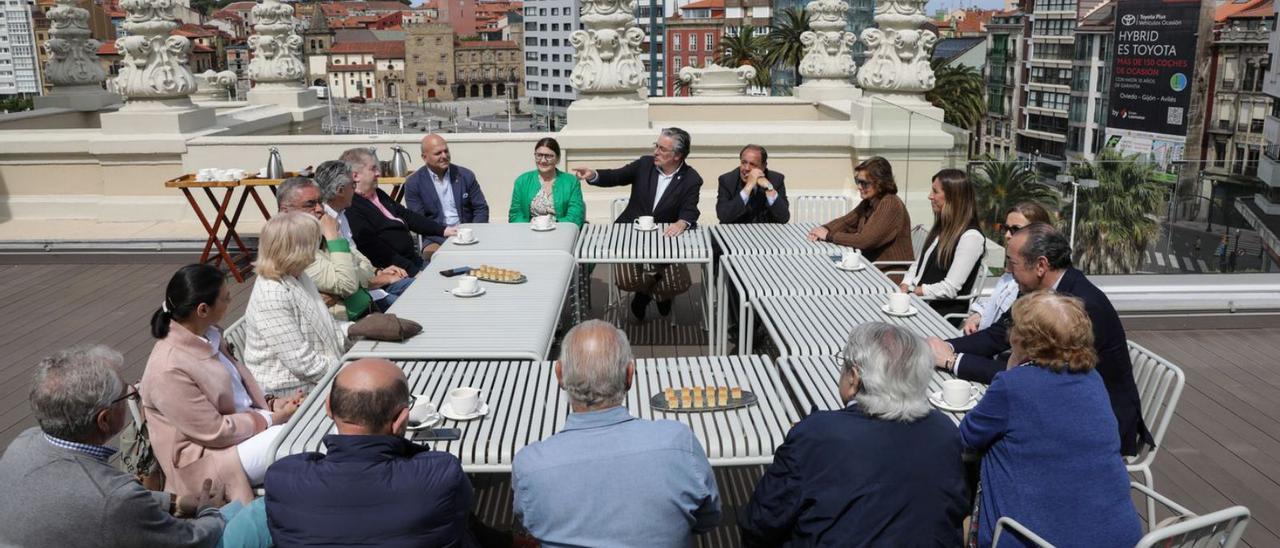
(381, 227)
(1039, 257)
(662, 186)
(752, 193)
(444, 192)
(373, 486)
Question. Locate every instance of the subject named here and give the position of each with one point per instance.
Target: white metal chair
(900, 268)
(619, 205)
(1160, 385)
(1221, 529)
(814, 208)
(234, 336)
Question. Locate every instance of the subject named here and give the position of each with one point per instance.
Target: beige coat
(190, 411)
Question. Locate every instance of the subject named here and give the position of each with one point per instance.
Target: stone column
(73, 67)
(898, 52)
(827, 65)
(277, 70)
(153, 75)
(608, 72)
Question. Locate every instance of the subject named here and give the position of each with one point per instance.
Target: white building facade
(19, 74)
(548, 58)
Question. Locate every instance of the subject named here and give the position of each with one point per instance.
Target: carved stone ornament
(277, 48)
(73, 55)
(898, 52)
(608, 50)
(717, 81)
(155, 63)
(214, 85)
(828, 57)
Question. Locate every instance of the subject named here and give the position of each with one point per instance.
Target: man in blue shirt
(650, 478)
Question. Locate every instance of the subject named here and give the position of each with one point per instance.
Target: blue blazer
(369, 491)
(844, 478)
(980, 362)
(420, 195)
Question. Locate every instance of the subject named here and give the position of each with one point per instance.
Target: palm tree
(1002, 183)
(958, 90)
(1117, 220)
(744, 47)
(784, 46)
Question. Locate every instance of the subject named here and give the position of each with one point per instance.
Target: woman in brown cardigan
(879, 225)
(205, 413)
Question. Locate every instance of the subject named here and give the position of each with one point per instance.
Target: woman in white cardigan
(984, 312)
(291, 339)
(953, 250)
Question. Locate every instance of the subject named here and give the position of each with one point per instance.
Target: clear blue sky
(935, 5)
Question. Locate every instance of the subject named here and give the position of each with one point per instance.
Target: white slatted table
(760, 276)
(526, 405)
(507, 322)
(771, 239)
(813, 381)
(621, 243)
(820, 325)
(515, 237)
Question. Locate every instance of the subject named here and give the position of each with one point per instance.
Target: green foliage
(783, 41)
(745, 47)
(959, 91)
(208, 7)
(1002, 183)
(1117, 222)
(16, 104)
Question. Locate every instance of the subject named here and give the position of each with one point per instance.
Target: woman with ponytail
(206, 415)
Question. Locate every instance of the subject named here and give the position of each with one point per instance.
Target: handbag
(136, 455)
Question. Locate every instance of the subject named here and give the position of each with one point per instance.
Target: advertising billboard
(1151, 72)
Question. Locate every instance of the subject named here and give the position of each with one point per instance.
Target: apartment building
(19, 69)
(1091, 82)
(1238, 107)
(548, 58)
(1003, 73)
(693, 38)
(1262, 212)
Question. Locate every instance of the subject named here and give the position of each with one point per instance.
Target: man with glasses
(752, 193)
(665, 187)
(444, 192)
(57, 487)
(372, 487)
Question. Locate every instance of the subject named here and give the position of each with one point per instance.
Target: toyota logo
(1129, 20)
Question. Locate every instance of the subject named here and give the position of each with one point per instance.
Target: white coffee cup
(262, 173)
(235, 174)
(899, 303)
(852, 259)
(542, 222)
(465, 235)
(205, 174)
(468, 284)
(465, 400)
(422, 411)
(956, 392)
(645, 222)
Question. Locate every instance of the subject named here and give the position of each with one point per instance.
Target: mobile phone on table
(455, 271)
(437, 434)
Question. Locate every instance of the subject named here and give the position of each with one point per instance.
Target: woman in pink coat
(206, 414)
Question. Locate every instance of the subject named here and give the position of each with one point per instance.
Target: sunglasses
(1013, 229)
(862, 183)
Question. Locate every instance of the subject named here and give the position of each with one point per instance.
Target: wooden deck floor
(1223, 447)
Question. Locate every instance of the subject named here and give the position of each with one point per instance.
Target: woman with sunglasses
(880, 225)
(547, 190)
(953, 250)
(206, 415)
(984, 312)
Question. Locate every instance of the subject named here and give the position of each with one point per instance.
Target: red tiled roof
(228, 15)
(381, 50)
(108, 48)
(333, 9)
(1264, 9)
(191, 30)
(1230, 9)
(974, 21)
(240, 6)
(375, 5)
(359, 67)
(703, 4)
(481, 44)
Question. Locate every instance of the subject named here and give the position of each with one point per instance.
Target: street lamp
(1075, 197)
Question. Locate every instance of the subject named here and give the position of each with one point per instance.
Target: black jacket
(387, 242)
(980, 363)
(679, 202)
(731, 210)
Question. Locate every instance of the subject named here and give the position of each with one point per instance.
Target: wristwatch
(764, 183)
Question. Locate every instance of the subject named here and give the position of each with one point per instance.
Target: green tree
(745, 47)
(959, 91)
(783, 46)
(1116, 222)
(1002, 183)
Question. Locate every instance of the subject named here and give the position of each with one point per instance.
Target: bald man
(442, 191)
(372, 487)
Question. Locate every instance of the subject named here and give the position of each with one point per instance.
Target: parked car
(356, 100)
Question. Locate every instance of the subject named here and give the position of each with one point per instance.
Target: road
(470, 116)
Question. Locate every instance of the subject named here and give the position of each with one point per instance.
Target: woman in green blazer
(547, 190)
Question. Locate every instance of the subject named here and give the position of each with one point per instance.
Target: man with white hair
(651, 478)
(884, 471)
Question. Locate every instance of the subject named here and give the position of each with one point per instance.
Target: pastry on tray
(701, 398)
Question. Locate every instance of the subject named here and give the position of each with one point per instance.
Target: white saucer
(457, 293)
(447, 411)
(911, 311)
(935, 398)
(433, 421)
(473, 241)
(548, 229)
(637, 227)
(861, 266)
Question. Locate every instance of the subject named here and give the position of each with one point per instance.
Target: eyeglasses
(130, 394)
(544, 157)
(661, 148)
(1013, 229)
(862, 183)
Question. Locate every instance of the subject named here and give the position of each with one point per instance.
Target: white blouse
(968, 250)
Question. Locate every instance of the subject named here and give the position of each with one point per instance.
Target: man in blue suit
(1039, 257)
(443, 192)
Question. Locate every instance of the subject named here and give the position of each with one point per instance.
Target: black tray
(659, 403)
